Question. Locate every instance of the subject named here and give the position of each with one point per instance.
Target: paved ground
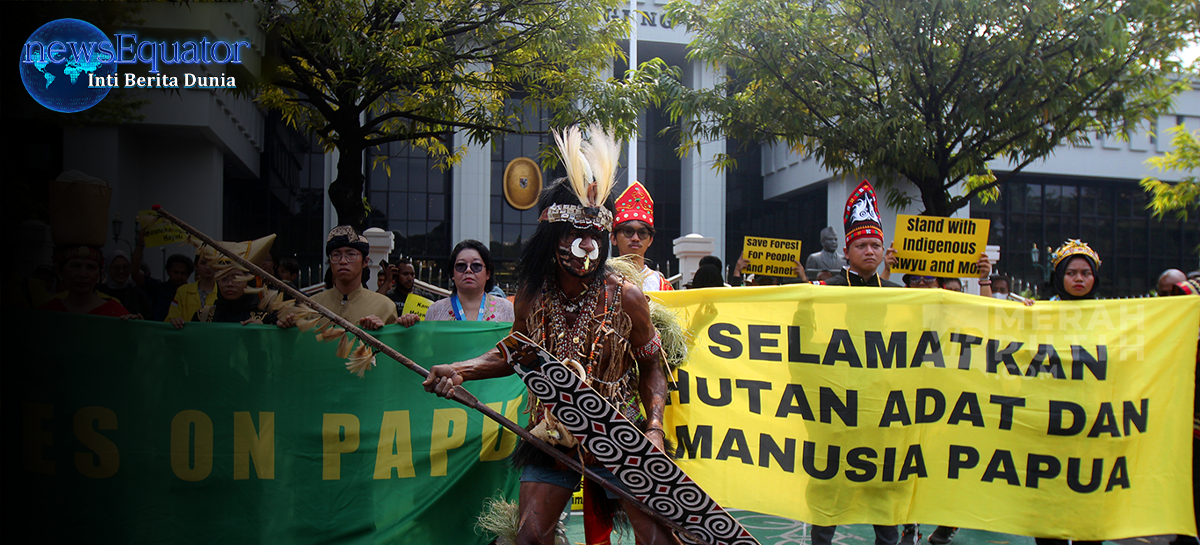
(772, 530)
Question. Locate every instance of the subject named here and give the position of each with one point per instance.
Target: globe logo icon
(57, 59)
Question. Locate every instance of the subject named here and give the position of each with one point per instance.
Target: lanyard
(458, 310)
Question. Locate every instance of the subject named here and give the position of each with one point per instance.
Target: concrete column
(703, 187)
(835, 203)
(689, 249)
(330, 216)
(471, 190)
(382, 243)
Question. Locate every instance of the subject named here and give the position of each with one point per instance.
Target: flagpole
(633, 64)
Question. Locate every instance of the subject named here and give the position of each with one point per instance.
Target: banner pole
(460, 394)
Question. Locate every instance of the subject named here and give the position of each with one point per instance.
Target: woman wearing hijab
(1075, 268)
(119, 284)
(1075, 271)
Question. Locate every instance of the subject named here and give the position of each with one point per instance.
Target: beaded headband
(1072, 247)
(581, 217)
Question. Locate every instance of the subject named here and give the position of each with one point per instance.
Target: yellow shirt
(359, 304)
(187, 301)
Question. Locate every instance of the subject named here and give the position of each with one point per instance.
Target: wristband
(659, 430)
(985, 282)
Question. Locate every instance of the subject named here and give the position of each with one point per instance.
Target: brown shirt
(359, 304)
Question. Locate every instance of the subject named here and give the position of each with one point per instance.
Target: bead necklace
(569, 342)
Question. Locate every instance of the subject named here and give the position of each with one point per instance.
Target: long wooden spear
(459, 394)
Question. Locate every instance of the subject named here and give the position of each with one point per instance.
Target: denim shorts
(565, 478)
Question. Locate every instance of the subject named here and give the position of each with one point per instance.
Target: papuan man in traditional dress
(569, 302)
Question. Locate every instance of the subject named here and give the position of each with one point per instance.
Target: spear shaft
(459, 393)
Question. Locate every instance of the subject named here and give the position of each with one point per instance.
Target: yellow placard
(415, 304)
(771, 256)
(840, 405)
(161, 232)
(945, 247)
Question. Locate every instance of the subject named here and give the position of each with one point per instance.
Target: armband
(651, 348)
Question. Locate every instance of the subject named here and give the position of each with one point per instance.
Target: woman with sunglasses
(471, 263)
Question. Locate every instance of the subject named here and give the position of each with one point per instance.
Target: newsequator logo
(69, 65)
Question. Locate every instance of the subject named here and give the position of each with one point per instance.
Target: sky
(1189, 53)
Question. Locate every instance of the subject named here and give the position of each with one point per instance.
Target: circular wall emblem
(522, 183)
(57, 59)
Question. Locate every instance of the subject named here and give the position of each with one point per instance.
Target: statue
(828, 259)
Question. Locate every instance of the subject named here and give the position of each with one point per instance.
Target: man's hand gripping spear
(330, 326)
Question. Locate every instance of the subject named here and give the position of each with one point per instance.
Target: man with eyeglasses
(633, 233)
(347, 251)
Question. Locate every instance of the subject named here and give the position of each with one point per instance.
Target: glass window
(1069, 200)
(399, 205)
(437, 207)
(1131, 235)
(399, 173)
(1100, 236)
(416, 192)
(418, 171)
(1033, 197)
(1089, 200)
(416, 206)
(1052, 230)
(1166, 236)
(378, 178)
(1016, 196)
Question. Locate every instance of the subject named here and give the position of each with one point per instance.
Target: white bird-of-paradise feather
(579, 172)
(603, 154)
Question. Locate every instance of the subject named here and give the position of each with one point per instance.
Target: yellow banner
(771, 256)
(415, 304)
(161, 233)
(838, 405)
(946, 247)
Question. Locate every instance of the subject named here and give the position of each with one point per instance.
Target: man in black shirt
(864, 253)
(864, 242)
(404, 276)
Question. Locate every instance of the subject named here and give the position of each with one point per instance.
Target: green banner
(134, 432)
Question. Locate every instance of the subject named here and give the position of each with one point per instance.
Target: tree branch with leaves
(367, 73)
(931, 92)
(1182, 196)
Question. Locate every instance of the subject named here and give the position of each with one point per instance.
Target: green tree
(930, 90)
(1184, 195)
(365, 73)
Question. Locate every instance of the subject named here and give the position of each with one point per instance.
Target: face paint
(570, 254)
(577, 250)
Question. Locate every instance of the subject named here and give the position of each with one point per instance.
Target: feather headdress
(591, 168)
(255, 251)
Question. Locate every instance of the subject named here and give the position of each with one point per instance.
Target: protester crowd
(205, 287)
